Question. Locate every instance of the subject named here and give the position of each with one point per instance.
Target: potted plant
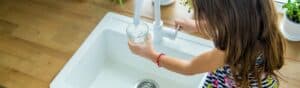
(188, 4)
(291, 21)
(120, 2)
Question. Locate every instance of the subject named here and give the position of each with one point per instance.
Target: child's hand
(187, 25)
(146, 50)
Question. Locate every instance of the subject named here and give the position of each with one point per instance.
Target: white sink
(104, 60)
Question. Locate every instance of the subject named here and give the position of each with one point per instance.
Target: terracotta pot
(290, 29)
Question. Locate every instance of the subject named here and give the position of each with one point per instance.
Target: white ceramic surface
(104, 60)
(279, 4)
(290, 30)
(166, 2)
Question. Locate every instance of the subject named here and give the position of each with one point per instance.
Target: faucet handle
(178, 28)
(171, 33)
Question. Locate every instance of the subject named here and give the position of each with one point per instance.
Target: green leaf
(293, 10)
(120, 2)
(187, 3)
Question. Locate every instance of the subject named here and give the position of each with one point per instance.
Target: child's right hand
(187, 25)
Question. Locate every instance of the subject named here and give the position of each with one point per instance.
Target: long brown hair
(243, 29)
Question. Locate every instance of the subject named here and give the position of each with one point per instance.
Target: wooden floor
(37, 37)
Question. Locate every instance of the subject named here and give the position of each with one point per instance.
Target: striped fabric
(221, 78)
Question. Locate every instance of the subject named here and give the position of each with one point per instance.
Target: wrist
(158, 59)
(153, 55)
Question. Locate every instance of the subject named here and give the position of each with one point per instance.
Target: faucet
(158, 31)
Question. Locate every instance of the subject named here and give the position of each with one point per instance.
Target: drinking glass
(137, 33)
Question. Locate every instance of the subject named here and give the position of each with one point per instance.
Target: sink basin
(105, 61)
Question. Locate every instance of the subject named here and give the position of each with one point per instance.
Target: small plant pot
(290, 29)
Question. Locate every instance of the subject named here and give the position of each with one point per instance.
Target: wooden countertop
(37, 37)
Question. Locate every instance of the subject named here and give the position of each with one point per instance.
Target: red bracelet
(158, 59)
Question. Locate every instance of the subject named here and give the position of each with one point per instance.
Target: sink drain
(147, 84)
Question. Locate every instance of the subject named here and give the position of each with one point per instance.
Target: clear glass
(137, 33)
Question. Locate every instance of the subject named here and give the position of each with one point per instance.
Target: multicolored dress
(222, 78)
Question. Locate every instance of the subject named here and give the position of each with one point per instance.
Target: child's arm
(205, 62)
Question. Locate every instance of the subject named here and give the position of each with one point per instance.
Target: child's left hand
(146, 50)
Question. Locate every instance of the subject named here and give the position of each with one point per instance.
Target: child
(248, 44)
